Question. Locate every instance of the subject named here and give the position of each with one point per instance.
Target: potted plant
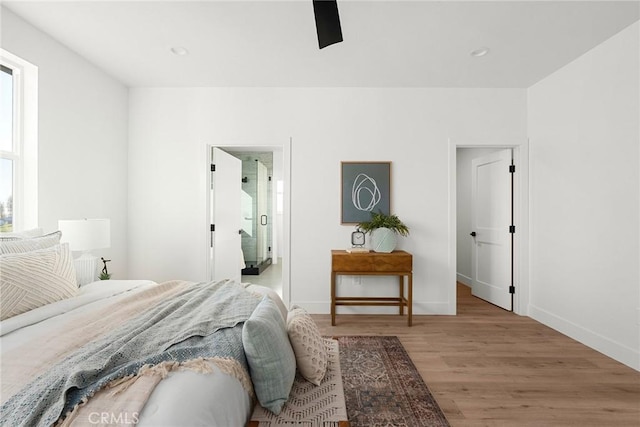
(383, 229)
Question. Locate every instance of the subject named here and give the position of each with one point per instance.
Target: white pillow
(30, 244)
(32, 279)
(263, 290)
(308, 345)
(15, 235)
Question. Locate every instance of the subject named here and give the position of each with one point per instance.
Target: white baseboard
(465, 280)
(613, 349)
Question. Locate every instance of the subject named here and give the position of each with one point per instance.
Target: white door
(490, 223)
(226, 207)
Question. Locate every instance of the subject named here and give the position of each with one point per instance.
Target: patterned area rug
(382, 386)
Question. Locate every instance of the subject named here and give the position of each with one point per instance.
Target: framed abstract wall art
(366, 188)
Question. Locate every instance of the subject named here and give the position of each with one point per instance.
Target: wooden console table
(396, 263)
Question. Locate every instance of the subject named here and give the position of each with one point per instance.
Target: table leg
(333, 298)
(401, 281)
(410, 308)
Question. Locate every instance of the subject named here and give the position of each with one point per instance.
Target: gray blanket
(202, 321)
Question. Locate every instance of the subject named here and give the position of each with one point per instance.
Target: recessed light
(480, 52)
(179, 50)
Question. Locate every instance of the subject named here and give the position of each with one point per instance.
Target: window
(18, 143)
(9, 153)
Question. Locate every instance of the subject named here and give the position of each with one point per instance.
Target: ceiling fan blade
(327, 22)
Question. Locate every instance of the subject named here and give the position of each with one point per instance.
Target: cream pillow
(262, 290)
(308, 345)
(30, 244)
(26, 234)
(33, 279)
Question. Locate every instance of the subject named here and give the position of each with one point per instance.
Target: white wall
(584, 153)
(170, 129)
(83, 121)
(464, 156)
(582, 120)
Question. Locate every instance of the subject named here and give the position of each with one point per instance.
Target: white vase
(383, 240)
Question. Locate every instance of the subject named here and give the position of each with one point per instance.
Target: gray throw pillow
(272, 363)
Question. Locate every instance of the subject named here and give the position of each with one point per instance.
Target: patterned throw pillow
(308, 345)
(33, 279)
(269, 354)
(29, 244)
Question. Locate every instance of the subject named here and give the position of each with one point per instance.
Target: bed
(124, 352)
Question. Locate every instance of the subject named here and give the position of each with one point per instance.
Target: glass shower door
(261, 210)
(256, 221)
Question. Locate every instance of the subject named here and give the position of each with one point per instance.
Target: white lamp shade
(86, 234)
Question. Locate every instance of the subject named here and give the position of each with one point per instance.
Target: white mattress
(182, 399)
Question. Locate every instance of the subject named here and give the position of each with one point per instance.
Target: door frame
(285, 148)
(520, 149)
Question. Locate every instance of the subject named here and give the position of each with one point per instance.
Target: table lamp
(85, 235)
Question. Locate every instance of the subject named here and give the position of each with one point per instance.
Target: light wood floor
(489, 367)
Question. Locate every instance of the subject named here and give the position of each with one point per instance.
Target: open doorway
(461, 238)
(263, 211)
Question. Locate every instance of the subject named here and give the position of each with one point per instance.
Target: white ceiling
(273, 43)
